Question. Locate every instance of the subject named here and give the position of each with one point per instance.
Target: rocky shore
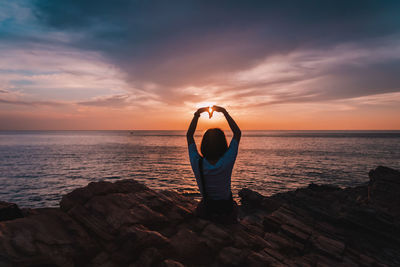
(127, 224)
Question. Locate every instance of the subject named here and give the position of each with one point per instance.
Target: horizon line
(59, 130)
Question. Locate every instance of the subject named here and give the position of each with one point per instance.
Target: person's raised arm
(193, 125)
(237, 133)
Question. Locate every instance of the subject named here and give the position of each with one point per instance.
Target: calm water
(37, 168)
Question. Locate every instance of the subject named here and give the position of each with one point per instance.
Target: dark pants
(219, 211)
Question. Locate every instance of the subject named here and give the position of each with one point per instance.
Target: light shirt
(217, 178)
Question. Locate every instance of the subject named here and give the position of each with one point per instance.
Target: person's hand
(218, 109)
(201, 110)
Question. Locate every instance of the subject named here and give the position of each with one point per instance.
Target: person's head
(214, 145)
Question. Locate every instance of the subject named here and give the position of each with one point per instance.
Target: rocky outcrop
(9, 211)
(127, 224)
(384, 189)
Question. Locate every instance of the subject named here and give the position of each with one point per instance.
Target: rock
(244, 239)
(189, 248)
(384, 188)
(9, 211)
(230, 256)
(253, 200)
(23, 241)
(48, 237)
(215, 237)
(252, 226)
(100, 259)
(250, 197)
(271, 225)
(147, 238)
(134, 241)
(149, 257)
(216, 233)
(261, 259)
(328, 246)
(323, 188)
(171, 263)
(81, 195)
(127, 224)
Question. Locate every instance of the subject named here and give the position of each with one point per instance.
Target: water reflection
(37, 168)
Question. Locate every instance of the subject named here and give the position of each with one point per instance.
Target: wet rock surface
(127, 224)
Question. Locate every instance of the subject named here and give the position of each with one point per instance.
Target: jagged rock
(260, 259)
(149, 257)
(230, 256)
(250, 197)
(323, 187)
(215, 237)
(328, 246)
(190, 248)
(256, 200)
(127, 224)
(48, 237)
(384, 188)
(9, 211)
(171, 263)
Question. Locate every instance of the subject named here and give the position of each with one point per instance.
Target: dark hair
(214, 145)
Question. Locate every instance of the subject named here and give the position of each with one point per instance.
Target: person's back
(216, 172)
(213, 171)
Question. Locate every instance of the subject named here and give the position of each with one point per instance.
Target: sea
(38, 167)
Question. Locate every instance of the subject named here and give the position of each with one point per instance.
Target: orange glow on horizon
(274, 118)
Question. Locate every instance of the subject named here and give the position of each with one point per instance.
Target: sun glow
(205, 104)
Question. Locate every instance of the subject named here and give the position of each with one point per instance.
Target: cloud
(195, 42)
(62, 74)
(313, 76)
(31, 103)
(109, 101)
(128, 53)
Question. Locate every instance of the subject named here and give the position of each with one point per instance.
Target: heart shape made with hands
(210, 112)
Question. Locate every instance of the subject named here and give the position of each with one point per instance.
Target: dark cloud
(349, 81)
(172, 44)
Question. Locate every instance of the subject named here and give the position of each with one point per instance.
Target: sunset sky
(80, 64)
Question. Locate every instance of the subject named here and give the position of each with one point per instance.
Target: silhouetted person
(213, 170)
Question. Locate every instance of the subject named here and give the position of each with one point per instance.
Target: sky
(134, 64)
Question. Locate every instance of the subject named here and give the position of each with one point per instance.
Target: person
(213, 169)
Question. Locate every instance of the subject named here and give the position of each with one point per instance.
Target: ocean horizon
(38, 167)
